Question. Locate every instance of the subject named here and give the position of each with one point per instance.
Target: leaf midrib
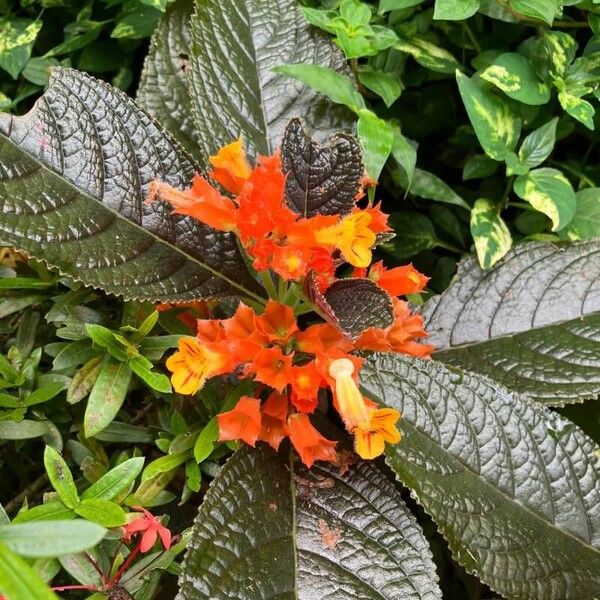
(118, 215)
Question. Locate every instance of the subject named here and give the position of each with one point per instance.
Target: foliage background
(42, 316)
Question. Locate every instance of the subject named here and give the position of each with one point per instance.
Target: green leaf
(138, 21)
(164, 83)
(238, 55)
(116, 481)
(103, 512)
(37, 70)
(23, 430)
(44, 393)
(513, 74)
(388, 5)
(545, 10)
(549, 192)
(578, 108)
(17, 37)
(585, 225)
(455, 10)
(18, 581)
(164, 464)
(157, 381)
(538, 145)
(336, 86)
(60, 477)
(386, 85)
(479, 166)
(85, 217)
(530, 323)
(376, 137)
(405, 154)
(497, 125)
(415, 233)
(83, 381)
(490, 233)
(427, 54)
(317, 521)
(107, 396)
(51, 538)
(320, 178)
(49, 511)
(490, 466)
(427, 185)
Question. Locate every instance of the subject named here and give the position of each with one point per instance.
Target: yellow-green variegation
(490, 233)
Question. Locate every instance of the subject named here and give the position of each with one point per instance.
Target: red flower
(398, 281)
(152, 528)
(271, 367)
(278, 322)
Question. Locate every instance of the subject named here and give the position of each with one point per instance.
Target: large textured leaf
(74, 173)
(164, 85)
(532, 323)
(236, 44)
(268, 528)
(321, 179)
(513, 487)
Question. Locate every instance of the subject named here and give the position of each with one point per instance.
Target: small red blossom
(152, 529)
(242, 422)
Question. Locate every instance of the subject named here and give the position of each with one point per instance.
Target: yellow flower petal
(367, 444)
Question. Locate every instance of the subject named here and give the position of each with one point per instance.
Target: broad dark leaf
(236, 44)
(359, 304)
(512, 486)
(530, 323)
(321, 179)
(164, 85)
(74, 173)
(269, 528)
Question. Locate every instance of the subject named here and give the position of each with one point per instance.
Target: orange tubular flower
(305, 381)
(379, 220)
(231, 169)
(194, 363)
(274, 420)
(351, 404)
(398, 281)
(271, 366)
(277, 323)
(308, 442)
(242, 422)
(202, 202)
(370, 442)
(352, 236)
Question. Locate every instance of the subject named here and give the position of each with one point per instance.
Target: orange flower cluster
(291, 365)
(275, 237)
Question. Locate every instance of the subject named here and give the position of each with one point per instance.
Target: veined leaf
(74, 173)
(513, 487)
(321, 179)
(545, 10)
(538, 145)
(585, 225)
(164, 83)
(490, 233)
(515, 76)
(455, 10)
(550, 192)
(428, 55)
(268, 528)
(531, 323)
(497, 125)
(235, 46)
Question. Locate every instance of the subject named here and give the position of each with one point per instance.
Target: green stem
(447, 246)
(267, 282)
(523, 205)
(473, 39)
(504, 201)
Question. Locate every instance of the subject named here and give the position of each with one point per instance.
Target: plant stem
(117, 576)
(32, 488)
(522, 205)
(449, 247)
(473, 39)
(571, 24)
(64, 588)
(267, 281)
